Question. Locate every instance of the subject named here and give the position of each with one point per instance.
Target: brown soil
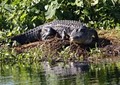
(109, 41)
(111, 45)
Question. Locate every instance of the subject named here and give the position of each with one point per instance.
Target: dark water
(59, 74)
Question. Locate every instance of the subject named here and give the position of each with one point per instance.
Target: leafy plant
(16, 16)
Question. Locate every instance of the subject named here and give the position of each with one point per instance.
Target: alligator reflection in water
(59, 74)
(72, 68)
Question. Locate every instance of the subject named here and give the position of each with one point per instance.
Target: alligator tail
(27, 37)
(19, 38)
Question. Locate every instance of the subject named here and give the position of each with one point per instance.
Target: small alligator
(75, 31)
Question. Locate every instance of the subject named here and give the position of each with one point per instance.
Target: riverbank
(55, 50)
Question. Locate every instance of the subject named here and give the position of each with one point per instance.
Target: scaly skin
(61, 28)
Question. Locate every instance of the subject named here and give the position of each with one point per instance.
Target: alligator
(75, 31)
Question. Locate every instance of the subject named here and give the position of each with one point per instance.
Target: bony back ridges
(58, 26)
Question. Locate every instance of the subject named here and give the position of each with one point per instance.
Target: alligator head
(83, 35)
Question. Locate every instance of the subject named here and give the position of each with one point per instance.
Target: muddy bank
(107, 46)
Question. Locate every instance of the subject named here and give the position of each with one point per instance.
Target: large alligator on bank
(75, 31)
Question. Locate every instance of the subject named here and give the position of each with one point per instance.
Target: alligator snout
(81, 39)
(76, 39)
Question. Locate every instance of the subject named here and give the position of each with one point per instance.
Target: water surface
(59, 74)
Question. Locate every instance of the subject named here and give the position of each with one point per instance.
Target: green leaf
(94, 2)
(85, 12)
(52, 9)
(79, 3)
(35, 17)
(9, 34)
(23, 16)
(16, 2)
(104, 1)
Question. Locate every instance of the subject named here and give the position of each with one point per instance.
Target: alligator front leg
(64, 35)
(95, 34)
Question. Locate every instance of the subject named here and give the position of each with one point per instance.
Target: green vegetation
(17, 16)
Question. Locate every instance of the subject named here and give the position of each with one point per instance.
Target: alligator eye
(83, 30)
(77, 30)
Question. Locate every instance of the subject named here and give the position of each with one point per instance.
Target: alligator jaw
(81, 41)
(73, 40)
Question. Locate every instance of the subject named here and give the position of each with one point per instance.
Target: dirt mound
(108, 44)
